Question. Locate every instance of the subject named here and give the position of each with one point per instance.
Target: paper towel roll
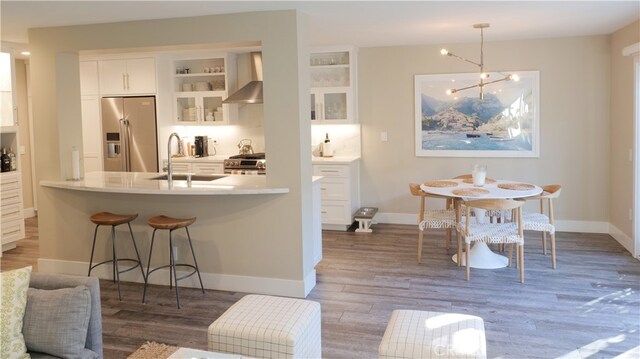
(75, 164)
(327, 149)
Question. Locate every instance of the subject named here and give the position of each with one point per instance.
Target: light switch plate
(384, 136)
(22, 150)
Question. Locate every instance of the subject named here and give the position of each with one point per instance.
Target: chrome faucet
(169, 164)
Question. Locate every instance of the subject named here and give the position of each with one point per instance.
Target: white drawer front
(208, 168)
(181, 167)
(334, 189)
(12, 231)
(9, 196)
(330, 171)
(335, 213)
(9, 185)
(10, 212)
(178, 166)
(8, 178)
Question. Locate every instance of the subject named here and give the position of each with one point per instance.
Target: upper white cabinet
(128, 76)
(200, 86)
(7, 77)
(89, 83)
(333, 85)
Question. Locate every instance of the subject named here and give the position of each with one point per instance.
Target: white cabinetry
(7, 80)
(333, 85)
(339, 193)
(197, 166)
(200, 86)
(90, 109)
(207, 168)
(89, 83)
(11, 205)
(11, 212)
(128, 76)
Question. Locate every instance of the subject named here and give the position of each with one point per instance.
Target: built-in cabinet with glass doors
(332, 85)
(11, 204)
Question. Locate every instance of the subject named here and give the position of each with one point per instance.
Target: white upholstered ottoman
(263, 326)
(418, 334)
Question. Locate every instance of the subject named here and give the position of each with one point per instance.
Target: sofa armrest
(58, 281)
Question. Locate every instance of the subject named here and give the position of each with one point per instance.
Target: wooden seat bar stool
(114, 220)
(171, 224)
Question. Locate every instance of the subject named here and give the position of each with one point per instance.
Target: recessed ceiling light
(25, 53)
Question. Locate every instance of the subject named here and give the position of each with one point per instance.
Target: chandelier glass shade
(484, 76)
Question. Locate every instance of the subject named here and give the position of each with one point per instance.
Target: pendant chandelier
(484, 76)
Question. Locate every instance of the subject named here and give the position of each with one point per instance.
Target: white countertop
(337, 160)
(142, 183)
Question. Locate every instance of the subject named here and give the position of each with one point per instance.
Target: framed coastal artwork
(504, 124)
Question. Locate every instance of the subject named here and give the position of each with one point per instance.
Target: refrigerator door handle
(125, 133)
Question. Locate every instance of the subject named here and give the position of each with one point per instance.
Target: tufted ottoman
(263, 326)
(418, 334)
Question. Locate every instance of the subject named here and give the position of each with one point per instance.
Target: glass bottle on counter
(12, 160)
(5, 161)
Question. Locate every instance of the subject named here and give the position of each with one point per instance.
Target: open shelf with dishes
(200, 85)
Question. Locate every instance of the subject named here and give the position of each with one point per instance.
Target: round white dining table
(481, 256)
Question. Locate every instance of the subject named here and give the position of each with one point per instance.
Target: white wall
(574, 111)
(622, 127)
(57, 125)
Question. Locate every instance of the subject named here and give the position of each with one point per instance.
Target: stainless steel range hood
(251, 92)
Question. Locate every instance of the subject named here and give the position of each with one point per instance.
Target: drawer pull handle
(329, 171)
(322, 188)
(324, 212)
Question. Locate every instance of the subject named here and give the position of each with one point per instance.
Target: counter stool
(164, 222)
(114, 220)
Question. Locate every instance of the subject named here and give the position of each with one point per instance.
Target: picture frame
(505, 124)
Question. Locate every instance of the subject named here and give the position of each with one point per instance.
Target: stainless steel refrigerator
(129, 136)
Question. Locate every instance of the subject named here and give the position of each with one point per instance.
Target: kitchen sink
(180, 177)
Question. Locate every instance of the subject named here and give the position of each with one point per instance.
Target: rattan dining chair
(432, 218)
(541, 222)
(507, 233)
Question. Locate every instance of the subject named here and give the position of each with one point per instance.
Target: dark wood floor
(588, 307)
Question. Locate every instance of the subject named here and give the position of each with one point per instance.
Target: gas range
(248, 164)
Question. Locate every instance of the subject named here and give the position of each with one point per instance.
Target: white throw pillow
(13, 301)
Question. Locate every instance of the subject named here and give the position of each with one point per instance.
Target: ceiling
(360, 23)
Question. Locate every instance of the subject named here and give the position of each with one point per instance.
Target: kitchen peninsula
(153, 183)
(229, 235)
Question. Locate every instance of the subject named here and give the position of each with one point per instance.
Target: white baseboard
(28, 212)
(309, 282)
(582, 226)
(621, 237)
(561, 225)
(226, 282)
(335, 227)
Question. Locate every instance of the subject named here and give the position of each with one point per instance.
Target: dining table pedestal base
(481, 257)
